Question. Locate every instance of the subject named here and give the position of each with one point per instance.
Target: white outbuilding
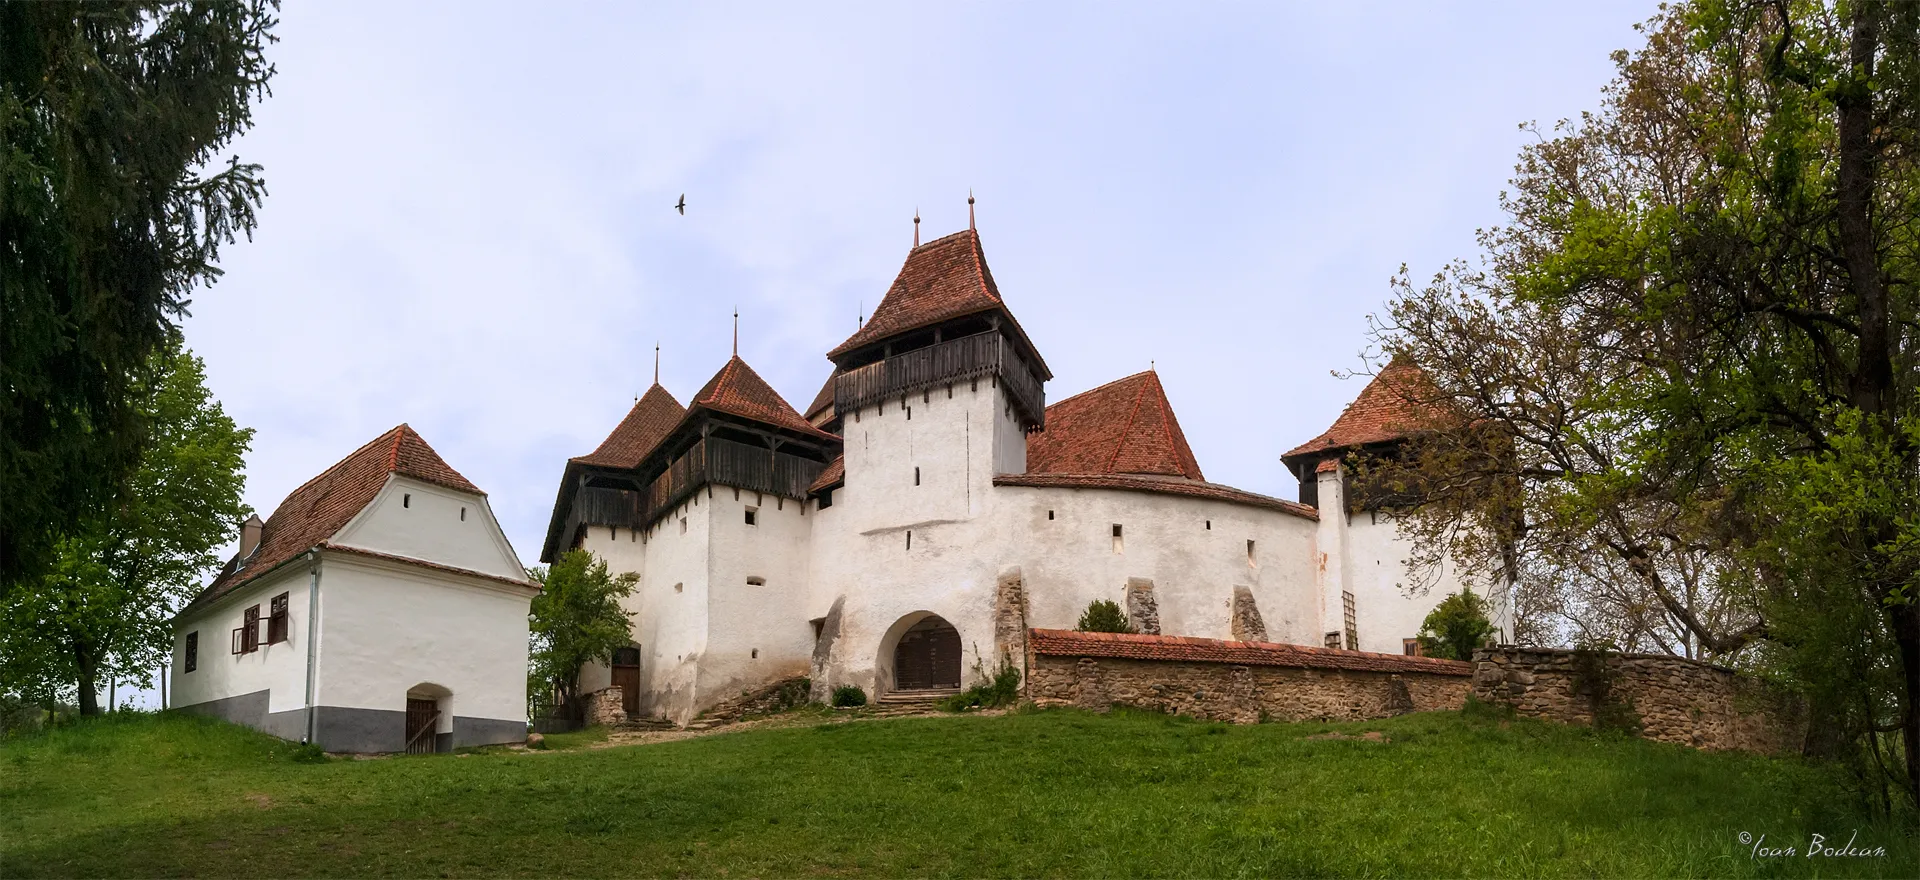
(379, 609)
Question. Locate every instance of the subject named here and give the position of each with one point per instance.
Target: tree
(105, 608)
(1456, 626)
(1103, 616)
(576, 620)
(1688, 369)
(114, 207)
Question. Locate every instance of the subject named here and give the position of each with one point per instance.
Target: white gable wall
(769, 618)
(420, 520)
(389, 626)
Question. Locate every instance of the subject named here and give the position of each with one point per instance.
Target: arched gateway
(927, 656)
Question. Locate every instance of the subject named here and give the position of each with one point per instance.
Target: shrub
(848, 695)
(1455, 627)
(1104, 616)
(308, 753)
(1001, 690)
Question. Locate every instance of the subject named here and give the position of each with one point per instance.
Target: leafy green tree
(105, 608)
(1103, 616)
(115, 202)
(1456, 626)
(1687, 372)
(576, 619)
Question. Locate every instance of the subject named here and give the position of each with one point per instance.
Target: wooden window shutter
(193, 651)
(250, 631)
(277, 620)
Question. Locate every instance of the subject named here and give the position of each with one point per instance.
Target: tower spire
(916, 227)
(970, 226)
(736, 331)
(656, 362)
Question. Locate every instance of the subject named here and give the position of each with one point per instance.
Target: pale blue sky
(469, 226)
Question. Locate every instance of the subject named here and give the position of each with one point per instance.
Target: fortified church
(929, 507)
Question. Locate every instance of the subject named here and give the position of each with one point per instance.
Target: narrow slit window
(1049, 516)
(1250, 553)
(909, 540)
(756, 653)
(192, 659)
(1118, 545)
(406, 499)
(916, 476)
(683, 525)
(1209, 525)
(756, 581)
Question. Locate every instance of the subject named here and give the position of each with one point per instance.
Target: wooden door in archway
(626, 675)
(927, 657)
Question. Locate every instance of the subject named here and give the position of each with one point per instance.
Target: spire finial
(861, 319)
(970, 225)
(656, 362)
(916, 227)
(736, 331)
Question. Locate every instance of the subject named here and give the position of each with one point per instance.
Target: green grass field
(1028, 794)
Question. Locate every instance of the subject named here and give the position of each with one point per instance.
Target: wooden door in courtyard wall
(626, 676)
(928, 656)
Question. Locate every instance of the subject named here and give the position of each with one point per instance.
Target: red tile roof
(651, 419)
(323, 505)
(1156, 484)
(824, 399)
(833, 475)
(1399, 402)
(1123, 427)
(1129, 646)
(943, 279)
(738, 390)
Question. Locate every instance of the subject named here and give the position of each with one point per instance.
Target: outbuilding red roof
(323, 505)
(1399, 402)
(738, 390)
(943, 279)
(1130, 646)
(646, 424)
(1123, 427)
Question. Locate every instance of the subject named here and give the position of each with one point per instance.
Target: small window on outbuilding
(1333, 640)
(191, 660)
(277, 620)
(753, 515)
(1411, 647)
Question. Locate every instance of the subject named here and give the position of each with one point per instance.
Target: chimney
(250, 536)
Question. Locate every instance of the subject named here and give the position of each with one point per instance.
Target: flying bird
(682, 207)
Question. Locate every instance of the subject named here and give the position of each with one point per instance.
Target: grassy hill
(1036, 793)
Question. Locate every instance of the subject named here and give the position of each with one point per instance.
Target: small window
(909, 540)
(1118, 546)
(909, 414)
(463, 514)
(1250, 563)
(1049, 516)
(1209, 525)
(192, 659)
(406, 500)
(683, 525)
(277, 620)
(756, 653)
(1333, 640)
(756, 581)
(826, 499)
(1411, 647)
(916, 476)
(753, 514)
(678, 587)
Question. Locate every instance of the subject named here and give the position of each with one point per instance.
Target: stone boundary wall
(605, 706)
(1240, 682)
(1664, 698)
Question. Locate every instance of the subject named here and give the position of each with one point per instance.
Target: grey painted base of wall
(343, 729)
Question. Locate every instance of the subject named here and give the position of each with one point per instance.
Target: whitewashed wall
(424, 521)
(671, 627)
(1194, 551)
(770, 618)
(389, 626)
(280, 668)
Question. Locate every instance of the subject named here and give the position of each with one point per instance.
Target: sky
(469, 225)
